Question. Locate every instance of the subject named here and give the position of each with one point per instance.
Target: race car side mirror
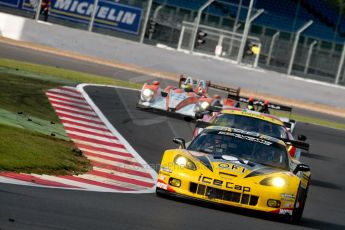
(302, 137)
(180, 141)
(301, 168)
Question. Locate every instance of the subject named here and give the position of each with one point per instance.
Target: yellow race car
(254, 121)
(238, 168)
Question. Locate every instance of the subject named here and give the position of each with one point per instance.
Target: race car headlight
(201, 106)
(204, 105)
(273, 181)
(147, 94)
(278, 182)
(184, 162)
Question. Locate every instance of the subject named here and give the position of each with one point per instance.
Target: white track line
(54, 100)
(83, 122)
(112, 182)
(131, 159)
(111, 141)
(67, 93)
(56, 106)
(8, 180)
(77, 184)
(60, 97)
(72, 126)
(112, 148)
(64, 114)
(123, 174)
(118, 164)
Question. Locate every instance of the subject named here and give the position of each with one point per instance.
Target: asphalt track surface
(28, 55)
(41, 208)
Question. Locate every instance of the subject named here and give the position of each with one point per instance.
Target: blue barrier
(109, 15)
(11, 3)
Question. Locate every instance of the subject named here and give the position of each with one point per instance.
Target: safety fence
(310, 61)
(313, 58)
(155, 21)
(220, 43)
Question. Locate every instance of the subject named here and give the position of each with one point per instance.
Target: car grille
(216, 193)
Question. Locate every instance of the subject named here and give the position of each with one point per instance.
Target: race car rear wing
(289, 124)
(261, 103)
(233, 93)
(298, 144)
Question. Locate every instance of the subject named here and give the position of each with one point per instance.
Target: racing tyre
(160, 193)
(299, 205)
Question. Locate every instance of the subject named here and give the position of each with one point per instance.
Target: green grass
(311, 120)
(54, 74)
(36, 124)
(30, 152)
(26, 115)
(27, 96)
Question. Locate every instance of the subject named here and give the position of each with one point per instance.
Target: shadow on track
(324, 184)
(259, 215)
(316, 156)
(317, 224)
(305, 222)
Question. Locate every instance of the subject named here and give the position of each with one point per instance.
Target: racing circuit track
(42, 208)
(24, 207)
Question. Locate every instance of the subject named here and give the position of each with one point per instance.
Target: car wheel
(299, 205)
(160, 193)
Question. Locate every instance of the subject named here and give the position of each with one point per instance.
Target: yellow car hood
(230, 167)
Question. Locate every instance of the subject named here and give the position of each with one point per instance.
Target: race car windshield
(242, 146)
(251, 124)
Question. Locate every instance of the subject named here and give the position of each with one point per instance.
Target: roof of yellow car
(248, 113)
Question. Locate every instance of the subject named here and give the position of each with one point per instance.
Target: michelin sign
(109, 15)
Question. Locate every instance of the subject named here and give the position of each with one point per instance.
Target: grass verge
(23, 95)
(311, 120)
(54, 74)
(26, 118)
(30, 152)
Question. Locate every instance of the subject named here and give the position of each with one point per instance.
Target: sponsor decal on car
(288, 204)
(228, 185)
(166, 169)
(245, 137)
(162, 185)
(232, 167)
(284, 211)
(288, 196)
